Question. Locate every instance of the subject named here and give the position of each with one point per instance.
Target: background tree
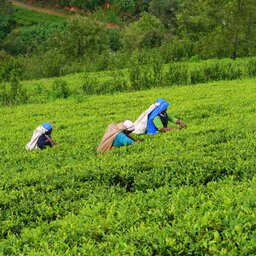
(83, 37)
(239, 25)
(31, 39)
(166, 11)
(147, 32)
(219, 29)
(7, 20)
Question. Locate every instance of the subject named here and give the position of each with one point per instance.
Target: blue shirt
(42, 142)
(122, 140)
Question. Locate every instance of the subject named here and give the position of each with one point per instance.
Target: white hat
(129, 125)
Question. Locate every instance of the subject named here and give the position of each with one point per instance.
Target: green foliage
(26, 17)
(145, 71)
(177, 74)
(251, 67)
(7, 21)
(147, 22)
(145, 75)
(194, 58)
(177, 50)
(218, 28)
(187, 192)
(147, 32)
(60, 89)
(12, 93)
(126, 5)
(88, 4)
(84, 37)
(114, 39)
(208, 29)
(31, 39)
(151, 39)
(154, 74)
(9, 66)
(91, 85)
(217, 71)
(117, 82)
(107, 16)
(177, 30)
(166, 11)
(48, 64)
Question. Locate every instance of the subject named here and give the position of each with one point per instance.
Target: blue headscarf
(47, 126)
(151, 129)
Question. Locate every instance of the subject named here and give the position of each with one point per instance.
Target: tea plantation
(187, 192)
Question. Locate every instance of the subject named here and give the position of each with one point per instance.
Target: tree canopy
(7, 20)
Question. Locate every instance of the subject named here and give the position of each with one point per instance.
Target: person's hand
(166, 129)
(181, 124)
(51, 140)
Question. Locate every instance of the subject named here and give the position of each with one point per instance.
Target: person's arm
(172, 119)
(50, 140)
(176, 121)
(135, 140)
(159, 125)
(126, 140)
(181, 124)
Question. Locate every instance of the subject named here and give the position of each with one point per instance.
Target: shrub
(8, 67)
(213, 72)
(177, 74)
(177, 49)
(60, 89)
(197, 76)
(84, 37)
(114, 39)
(91, 85)
(147, 32)
(119, 82)
(251, 67)
(232, 71)
(145, 72)
(47, 64)
(12, 93)
(151, 39)
(141, 76)
(7, 19)
(31, 39)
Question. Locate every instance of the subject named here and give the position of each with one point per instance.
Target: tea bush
(60, 89)
(187, 192)
(12, 93)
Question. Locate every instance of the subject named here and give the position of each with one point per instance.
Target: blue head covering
(151, 129)
(47, 126)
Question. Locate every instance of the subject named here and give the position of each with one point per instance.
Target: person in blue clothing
(117, 135)
(45, 139)
(41, 137)
(123, 138)
(158, 119)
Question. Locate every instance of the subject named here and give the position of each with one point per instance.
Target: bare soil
(39, 9)
(31, 5)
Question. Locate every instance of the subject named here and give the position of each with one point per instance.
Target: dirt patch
(30, 5)
(39, 9)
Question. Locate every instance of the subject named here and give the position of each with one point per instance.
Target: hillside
(39, 9)
(187, 192)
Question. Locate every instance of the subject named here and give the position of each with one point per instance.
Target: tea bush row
(187, 192)
(26, 17)
(137, 77)
(217, 219)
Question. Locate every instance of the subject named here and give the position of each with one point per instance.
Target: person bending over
(117, 135)
(41, 137)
